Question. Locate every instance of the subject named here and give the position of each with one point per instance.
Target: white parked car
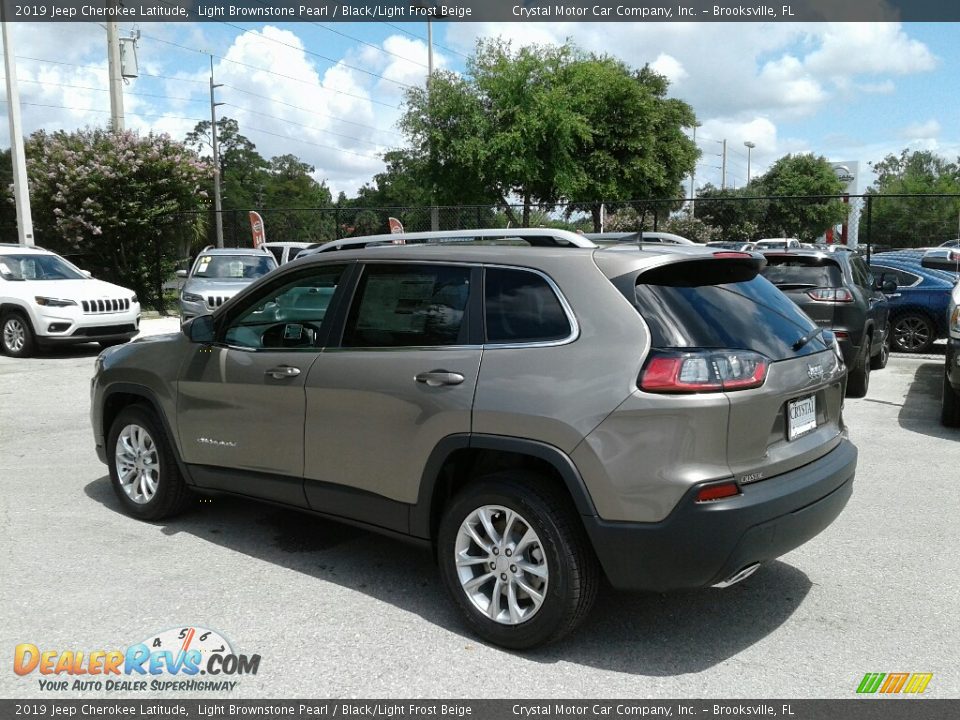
(45, 300)
(286, 250)
(778, 244)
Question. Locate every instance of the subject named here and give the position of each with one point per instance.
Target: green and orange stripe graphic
(892, 683)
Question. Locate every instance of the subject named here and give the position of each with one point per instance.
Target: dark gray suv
(839, 293)
(538, 416)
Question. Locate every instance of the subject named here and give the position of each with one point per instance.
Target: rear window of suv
(718, 304)
(800, 271)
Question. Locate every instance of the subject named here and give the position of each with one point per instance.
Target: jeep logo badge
(814, 372)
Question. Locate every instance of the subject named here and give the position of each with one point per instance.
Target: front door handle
(436, 378)
(283, 371)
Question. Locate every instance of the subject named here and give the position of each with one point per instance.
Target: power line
(308, 127)
(316, 54)
(106, 112)
(311, 110)
(312, 84)
(368, 44)
(420, 37)
(319, 145)
(103, 69)
(96, 89)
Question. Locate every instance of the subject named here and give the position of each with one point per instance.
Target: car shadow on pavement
(920, 411)
(644, 634)
(57, 352)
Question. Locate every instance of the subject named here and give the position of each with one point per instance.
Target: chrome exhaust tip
(738, 576)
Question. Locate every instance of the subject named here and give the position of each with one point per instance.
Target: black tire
(913, 332)
(171, 494)
(858, 378)
(573, 571)
(16, 335)
(879, 361)
(949, 405)
(104, 344)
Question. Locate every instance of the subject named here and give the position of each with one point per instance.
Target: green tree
(800, 175)
(8, 210)
(297, 206)
(544, 124)
(920, 221)
(734, 214)
(112, 200)
(636, 148)
(243, 170)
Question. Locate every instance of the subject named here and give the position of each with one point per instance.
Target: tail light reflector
(717, 492)
(831, 295)
(703, 371)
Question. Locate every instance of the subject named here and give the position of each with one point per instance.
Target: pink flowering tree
(121, 205)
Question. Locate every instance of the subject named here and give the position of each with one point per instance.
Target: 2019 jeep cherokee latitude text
(538, 416)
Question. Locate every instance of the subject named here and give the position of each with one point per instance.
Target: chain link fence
(884, 221)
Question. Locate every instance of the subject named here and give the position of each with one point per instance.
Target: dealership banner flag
(256, 227)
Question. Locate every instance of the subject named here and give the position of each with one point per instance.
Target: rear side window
(409, 306)
(686, 306)
(522, 307)
(802, 272)
(903, 278)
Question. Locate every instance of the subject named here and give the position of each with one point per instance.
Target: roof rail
(535, 237)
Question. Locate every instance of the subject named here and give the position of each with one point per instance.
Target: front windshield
(233, 267)
(37, 267)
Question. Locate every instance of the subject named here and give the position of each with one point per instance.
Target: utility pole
(723, 168)
(116, 83)
(217, 209)
(434, 211)
(21, 191)
(693, 172)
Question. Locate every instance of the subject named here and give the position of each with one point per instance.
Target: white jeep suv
(45, 300)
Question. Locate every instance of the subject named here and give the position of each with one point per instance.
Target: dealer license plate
(801, 416)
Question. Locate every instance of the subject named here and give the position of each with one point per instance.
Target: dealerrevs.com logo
(169, 661)
(894, 683)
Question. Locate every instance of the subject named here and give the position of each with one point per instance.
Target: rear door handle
(283, 371)
(436, 378)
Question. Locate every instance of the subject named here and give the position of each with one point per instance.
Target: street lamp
(750, 146)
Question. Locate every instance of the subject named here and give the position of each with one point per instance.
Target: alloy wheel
(501, 564)
(912, 333)
(14, 335)
(138, 464)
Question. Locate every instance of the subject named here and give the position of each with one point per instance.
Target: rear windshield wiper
(807, 338)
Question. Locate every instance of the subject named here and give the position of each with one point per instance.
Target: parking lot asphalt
(334, 611)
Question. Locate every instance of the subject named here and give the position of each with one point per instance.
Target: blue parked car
(918, 307)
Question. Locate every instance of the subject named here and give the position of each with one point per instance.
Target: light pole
(750, 146)
(21, 189)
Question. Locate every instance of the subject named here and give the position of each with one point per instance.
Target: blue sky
(331, 94)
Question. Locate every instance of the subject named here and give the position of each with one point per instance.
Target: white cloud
(669, 67)
(868, 48)
(928, 130)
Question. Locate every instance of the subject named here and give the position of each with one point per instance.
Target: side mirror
(181, 273)
(201, 329)
(888, 286)
(87, 273)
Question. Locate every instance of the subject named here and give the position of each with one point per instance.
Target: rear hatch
(808, 280)
(782, 415)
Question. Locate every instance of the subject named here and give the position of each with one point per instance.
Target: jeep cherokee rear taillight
(825, 294)
(669, 371)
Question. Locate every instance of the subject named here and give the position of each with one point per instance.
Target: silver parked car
(217, 275)
(539, 416)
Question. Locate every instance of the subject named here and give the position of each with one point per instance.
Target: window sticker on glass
(391, 301)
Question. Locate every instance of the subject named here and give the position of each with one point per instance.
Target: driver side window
(289, 316)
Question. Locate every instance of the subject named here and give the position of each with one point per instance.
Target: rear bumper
(701, 544)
